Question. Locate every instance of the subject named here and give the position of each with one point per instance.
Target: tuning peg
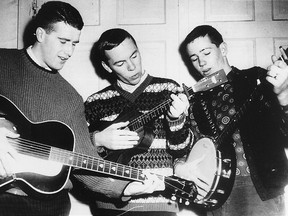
(187, 203)
(173, 197)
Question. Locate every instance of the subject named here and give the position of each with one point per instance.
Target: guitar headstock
(180, 190)
(210, 81)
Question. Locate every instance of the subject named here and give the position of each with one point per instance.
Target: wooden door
(9, 22)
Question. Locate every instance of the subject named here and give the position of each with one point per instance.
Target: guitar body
(40, 174)
(43, 168)
(145, 132)
(218, 167)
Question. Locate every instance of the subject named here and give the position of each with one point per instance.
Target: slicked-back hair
(56, 11)
(111, 39)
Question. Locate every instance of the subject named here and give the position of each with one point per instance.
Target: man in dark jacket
(242, 116)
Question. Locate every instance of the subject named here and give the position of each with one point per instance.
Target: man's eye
(193, 59)
(134, 55)
(207, 53)
(62, 41)
(119, 64)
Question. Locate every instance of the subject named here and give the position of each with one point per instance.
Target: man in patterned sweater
(112, 110)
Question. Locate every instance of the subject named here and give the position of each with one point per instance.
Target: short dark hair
(199, 31)
(202, 31)
(111, 39)
(50, 13)
(57, 11)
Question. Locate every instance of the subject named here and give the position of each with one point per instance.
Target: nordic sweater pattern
(109, 103)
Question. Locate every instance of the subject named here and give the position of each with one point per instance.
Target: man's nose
(130, 65)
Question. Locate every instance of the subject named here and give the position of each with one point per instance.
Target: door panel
(8, 21)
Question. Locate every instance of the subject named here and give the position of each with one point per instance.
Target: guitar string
(43, 152)
(140, 119)
(146, 115)
(215, 80)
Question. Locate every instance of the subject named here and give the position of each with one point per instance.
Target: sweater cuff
(176, 124)
(92, 137)
(101, 150)
(188, 142)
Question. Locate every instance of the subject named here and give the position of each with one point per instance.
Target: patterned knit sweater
(44, 95)
(171, 138)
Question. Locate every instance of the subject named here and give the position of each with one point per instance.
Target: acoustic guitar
(45, 156)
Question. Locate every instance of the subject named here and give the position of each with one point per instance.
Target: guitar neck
(204, 84)
(96, 164)
(157, 111)
(145, 118)
(77, 160)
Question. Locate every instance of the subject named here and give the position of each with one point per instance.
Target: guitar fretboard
(204, 84)
(65, 157)
(95, 164)
(145, 118)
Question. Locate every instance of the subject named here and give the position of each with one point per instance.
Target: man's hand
(151, 184)
(190, 170)
(116, 137)
(278, 76)
(179, 105)
(8, 155)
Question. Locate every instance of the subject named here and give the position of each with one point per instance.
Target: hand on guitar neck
(150, 185)
(179, 104)
(8, 155)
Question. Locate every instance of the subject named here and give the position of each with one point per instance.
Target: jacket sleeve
(279, 111)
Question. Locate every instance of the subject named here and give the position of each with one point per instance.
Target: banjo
(216, 162)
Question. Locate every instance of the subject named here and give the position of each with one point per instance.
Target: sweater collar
(34, 58)
(134, 95)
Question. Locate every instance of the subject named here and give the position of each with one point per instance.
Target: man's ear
(224, 49)
(106, 67)
(40, 33)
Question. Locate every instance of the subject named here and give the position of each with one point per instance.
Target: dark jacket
(262, 127)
